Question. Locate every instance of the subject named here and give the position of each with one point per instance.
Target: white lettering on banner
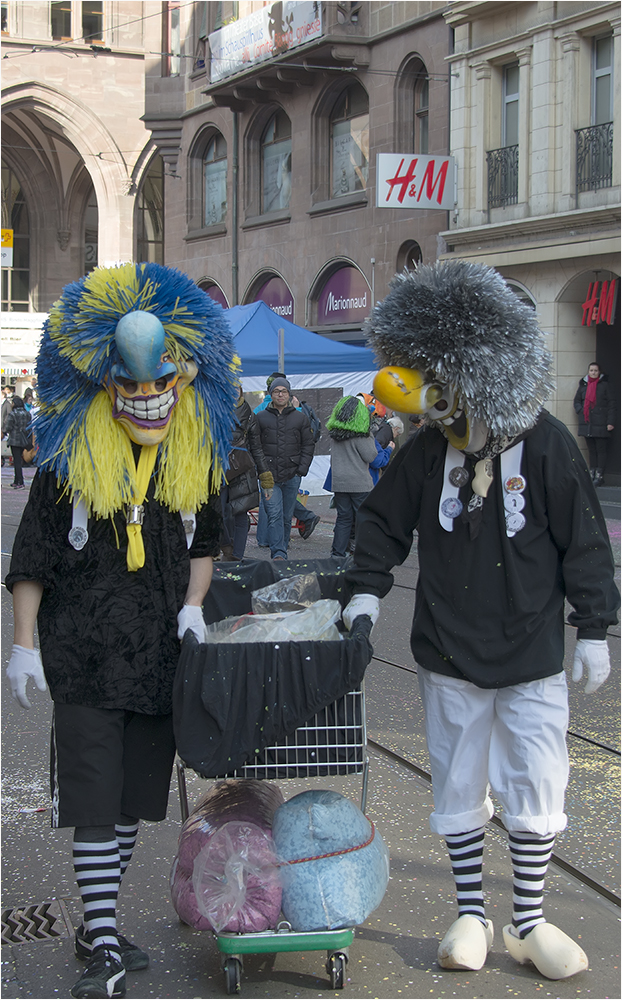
(282, 310)
(337, 305)
(413, 181)
(262, 34)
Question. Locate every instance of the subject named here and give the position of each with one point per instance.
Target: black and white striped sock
(98, 874)
(530, 858)
(126, 839)
(466, 852)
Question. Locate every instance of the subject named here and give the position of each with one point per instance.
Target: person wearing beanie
(352, 449)
(509, 527)
(287, 443)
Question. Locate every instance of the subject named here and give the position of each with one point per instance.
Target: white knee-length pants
(511, 739)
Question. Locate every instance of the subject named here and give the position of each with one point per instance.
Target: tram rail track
(556, 859)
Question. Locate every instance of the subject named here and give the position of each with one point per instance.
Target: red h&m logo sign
(600, 303)
(407, 180)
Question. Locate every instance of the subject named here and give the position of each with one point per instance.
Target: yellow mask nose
(405, 390)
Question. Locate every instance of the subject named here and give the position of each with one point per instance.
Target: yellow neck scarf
(135, 546)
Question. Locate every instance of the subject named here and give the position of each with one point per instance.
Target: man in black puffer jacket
(287, 442)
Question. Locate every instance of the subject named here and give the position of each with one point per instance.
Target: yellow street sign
(6, 250)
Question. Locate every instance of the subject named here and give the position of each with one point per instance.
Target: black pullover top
(491, 608)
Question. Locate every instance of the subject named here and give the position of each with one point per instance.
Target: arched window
(91, 229)
(16, 279)
(349, 142)
(412, 106)
(276, 163)
(215, 181)
(150, 215)
(409, 255)
(421, 102)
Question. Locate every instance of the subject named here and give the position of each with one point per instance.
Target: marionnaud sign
(265, 33)
(276, 294)
(411, 180)
(345, 298)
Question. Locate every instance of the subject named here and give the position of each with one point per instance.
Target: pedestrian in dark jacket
(595, 403)
(287, 442)
(19, 432)
(240, 492)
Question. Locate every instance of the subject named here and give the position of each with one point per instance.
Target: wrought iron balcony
(502, 176)
(594, 157)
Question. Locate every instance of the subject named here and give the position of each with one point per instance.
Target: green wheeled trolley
(234, 946)
(334, 741)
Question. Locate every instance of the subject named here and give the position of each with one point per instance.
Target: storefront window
(349, 140)
(16, 279)
(276, 163)
(150, 215)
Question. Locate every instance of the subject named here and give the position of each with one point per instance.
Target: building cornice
(565, 234)
(585, 17)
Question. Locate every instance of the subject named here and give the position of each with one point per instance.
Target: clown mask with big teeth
(408, 390)
(145, 383)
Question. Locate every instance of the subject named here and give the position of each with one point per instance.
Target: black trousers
(18, 477)
(597, 451)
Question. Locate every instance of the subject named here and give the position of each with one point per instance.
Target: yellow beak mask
(408, 390)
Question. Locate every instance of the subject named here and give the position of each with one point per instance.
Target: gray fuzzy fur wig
(463, 325)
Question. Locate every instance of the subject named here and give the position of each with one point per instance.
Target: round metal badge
(78, 537)
(513, 502)
(515, 484)
(451, 507)
(459, 476)
(515, 522)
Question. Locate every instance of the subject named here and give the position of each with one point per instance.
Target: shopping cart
(333, 741)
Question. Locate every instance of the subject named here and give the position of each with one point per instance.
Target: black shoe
(104, 977)
(310, 527)
(133, 958)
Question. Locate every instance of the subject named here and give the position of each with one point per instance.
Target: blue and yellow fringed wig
(135, 353)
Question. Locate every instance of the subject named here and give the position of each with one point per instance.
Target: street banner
(262, 35)
(6, 252)
(415, 181)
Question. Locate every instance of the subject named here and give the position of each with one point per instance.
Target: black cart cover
(232, 700)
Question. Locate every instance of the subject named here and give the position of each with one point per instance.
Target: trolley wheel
(233, 973)
(336, 969)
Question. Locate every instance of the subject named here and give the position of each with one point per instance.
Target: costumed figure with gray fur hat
(509, 526)
(137, 382)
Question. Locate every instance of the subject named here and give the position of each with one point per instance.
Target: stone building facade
(535, 130)
(271, 160)
(81, 176)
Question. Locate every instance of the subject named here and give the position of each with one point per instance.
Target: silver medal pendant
(451, 507)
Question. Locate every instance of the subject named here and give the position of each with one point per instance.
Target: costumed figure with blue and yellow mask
(509, 527)
(137, 382)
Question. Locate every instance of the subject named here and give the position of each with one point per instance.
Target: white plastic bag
(314, 623)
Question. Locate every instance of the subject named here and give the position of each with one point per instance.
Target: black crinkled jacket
(108, 637)
(491, 609)
(287, 442)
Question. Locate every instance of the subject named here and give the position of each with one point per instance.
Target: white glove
(267, 494)
(24, 663)
(593, 654)
(191, 617)
(361, 604)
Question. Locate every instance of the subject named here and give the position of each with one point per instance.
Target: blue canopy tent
(310, 359)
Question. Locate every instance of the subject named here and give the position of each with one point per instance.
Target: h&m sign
(410, 180)
(600, 303)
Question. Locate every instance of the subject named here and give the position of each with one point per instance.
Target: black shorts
(105, 763)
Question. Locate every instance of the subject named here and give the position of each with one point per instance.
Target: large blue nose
(139, 337)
